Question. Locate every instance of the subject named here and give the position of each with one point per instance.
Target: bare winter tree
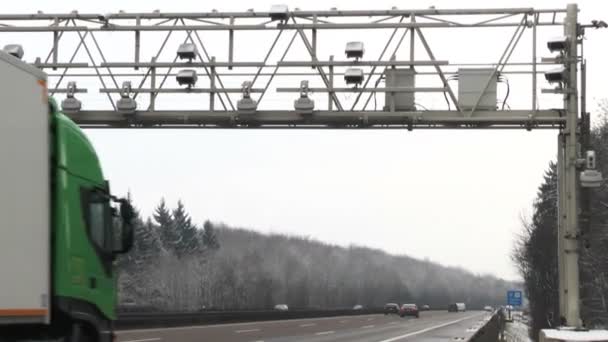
(535, 252)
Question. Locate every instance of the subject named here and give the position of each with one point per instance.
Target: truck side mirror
(127, 214)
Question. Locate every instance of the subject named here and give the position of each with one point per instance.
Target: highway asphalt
(431, 326)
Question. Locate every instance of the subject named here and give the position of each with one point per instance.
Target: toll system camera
(187, 77)
(557, 44)
(590, 177)
(556, 75)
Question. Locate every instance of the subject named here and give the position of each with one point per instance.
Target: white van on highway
(457, 307)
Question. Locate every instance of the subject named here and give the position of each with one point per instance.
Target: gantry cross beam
(79, 51)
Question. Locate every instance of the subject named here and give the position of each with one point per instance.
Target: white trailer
(24, 194)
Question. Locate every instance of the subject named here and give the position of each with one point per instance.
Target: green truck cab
(88, 235)
(63, 228)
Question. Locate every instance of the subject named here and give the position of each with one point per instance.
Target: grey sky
(455, 197)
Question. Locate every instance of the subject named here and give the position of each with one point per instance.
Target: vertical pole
(391, 95)
(314, 38)
(137, 41)
(212, 85)
(230, 44)
(586, 124)
(330, 102)
(55, 44)
(535, 19)
(585, 213)
(152, 85)
(570, 239)
(412, 43)
(561, 216)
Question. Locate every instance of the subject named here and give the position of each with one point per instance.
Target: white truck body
(24, 194)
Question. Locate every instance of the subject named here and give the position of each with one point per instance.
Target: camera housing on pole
(354, 50)
(353, 76)
(590, 177)
(558, 44)
(126, 104)
(279, 12)
(246, 105)
(187, 51)
(304, 105)
(557, 75)
(71, 104)
(187, 77)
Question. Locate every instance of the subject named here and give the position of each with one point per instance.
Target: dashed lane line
(325, 332)
(246, 331)
(307, 325)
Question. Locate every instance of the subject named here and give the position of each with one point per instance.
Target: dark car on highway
(391, 308)
(409, 310)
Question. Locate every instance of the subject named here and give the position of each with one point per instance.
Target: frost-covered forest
(178, 265)
(536, 250)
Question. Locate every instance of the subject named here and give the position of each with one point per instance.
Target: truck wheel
(81, 333)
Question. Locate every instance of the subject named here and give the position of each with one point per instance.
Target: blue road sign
(514, 298)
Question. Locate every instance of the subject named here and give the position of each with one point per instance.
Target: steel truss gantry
(216, 102)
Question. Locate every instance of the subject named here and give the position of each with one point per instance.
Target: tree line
(178, 265)
(535, 252)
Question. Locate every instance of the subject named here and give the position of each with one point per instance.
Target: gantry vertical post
(570, 252)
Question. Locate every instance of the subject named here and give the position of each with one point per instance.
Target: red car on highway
(409, 310)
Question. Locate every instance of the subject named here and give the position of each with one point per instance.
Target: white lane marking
(245, 331)
(308, 325)
(396, 338)
(145, 339)
(211, 326)
(371, 319)
(344, 321)
(325, 332)
(367, 326)
(391, 323)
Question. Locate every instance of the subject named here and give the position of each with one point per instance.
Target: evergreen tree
(149, 240)
(169, 236)
(536, 256)
(146, 242)
(594, 240)
(188, 242)
(209, 238)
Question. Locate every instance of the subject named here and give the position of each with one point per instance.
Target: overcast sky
(454, 197)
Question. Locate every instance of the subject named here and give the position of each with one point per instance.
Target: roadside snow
(517, 331)
(571, 335)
